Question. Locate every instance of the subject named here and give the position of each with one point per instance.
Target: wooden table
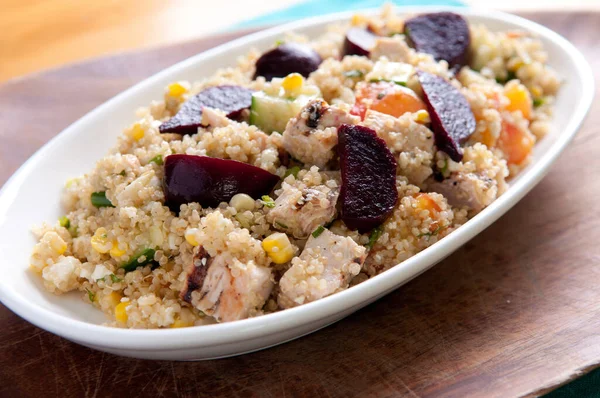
(515, 312)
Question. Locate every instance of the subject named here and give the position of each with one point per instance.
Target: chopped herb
(279, 42)
(158, 159)
(381, 95)
(510, 75)
(99, 199)
(444, 170)
(318, 231)
(64, 222)
(538, 102)
(146, 256)
(398, 82)
(267, 201)
(354, 73)
(73, 231)
(282, 225)
(375, 234)
(428, 234)
(91, 295)
(292, 171)
(123, 173)
(115, 279)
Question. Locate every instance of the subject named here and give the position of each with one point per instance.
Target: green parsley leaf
(292, 171)
(354, 73)
(99, 199)
(538, 102)
(158, 159)
(282, 225)
(267, 201)
(64, 222)
(374, 236)
(115, 279)
(91, 295)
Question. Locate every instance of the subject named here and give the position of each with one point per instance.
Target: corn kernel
(116, 250)
(57, 244)
(100, 241)
(114, 299)
(422, 117)
(278, 248)
(137, 132)
(292, 82)
(242, 202)
(121, 312)
(176, 90)
(190, 237)
(179, 323)
(357, 20)
(536, 91)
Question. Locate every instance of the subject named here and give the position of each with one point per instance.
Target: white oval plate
(32, 195)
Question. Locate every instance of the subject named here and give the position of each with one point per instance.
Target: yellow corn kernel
(57, 244)
(536, 91)
(137, 132)
(292, 82)
(278, 248)
(190, 237)
(180, 323)
(121, 312)
(116, 250)
(519, 99)
(357, 20)
(100, 241)
(114, 299)
(176, 90)
(422, 117)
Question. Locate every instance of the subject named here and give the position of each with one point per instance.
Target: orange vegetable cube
(385, 97)
(516, 143)
(519, 99)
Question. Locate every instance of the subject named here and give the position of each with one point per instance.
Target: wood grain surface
(515, 312)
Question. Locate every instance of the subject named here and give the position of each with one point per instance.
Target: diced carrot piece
(426, 202)
(516, 143)
(519, 99)
(385, 97)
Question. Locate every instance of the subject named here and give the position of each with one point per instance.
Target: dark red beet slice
(287, 58)
(368, 194)
(230, 99)
(452, 120)
(444, 35)
(210, 181)
(359, 41)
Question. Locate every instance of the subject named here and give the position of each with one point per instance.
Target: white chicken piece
(326, 266)
(227, 292)
(469, 190)
(311, 136)
(394, 48)
(410, 142)
(214, 118)
(299, 209)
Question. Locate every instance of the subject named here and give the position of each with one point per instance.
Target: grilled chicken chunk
(326, 265)
(299, 209)
(394, 48)
(227, 292)
(311, 136)
(469, 190)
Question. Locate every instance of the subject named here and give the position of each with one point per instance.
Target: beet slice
(287, 58)
(230, 99)
(368, 194)
(359, 41)
(452, 120)
(444, 35)
(210, 181)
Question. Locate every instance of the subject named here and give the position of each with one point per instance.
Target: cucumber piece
(270, 113)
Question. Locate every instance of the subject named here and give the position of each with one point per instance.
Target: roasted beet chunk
(359, 42)
(368, 193)
(287, 58)
(444, 35)
(210, 181)
(452, 120)
(230, 99)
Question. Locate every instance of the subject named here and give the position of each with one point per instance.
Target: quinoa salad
(299, 172)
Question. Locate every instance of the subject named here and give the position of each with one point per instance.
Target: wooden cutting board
(514, 312)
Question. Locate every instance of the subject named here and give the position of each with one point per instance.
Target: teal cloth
(587, 386)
